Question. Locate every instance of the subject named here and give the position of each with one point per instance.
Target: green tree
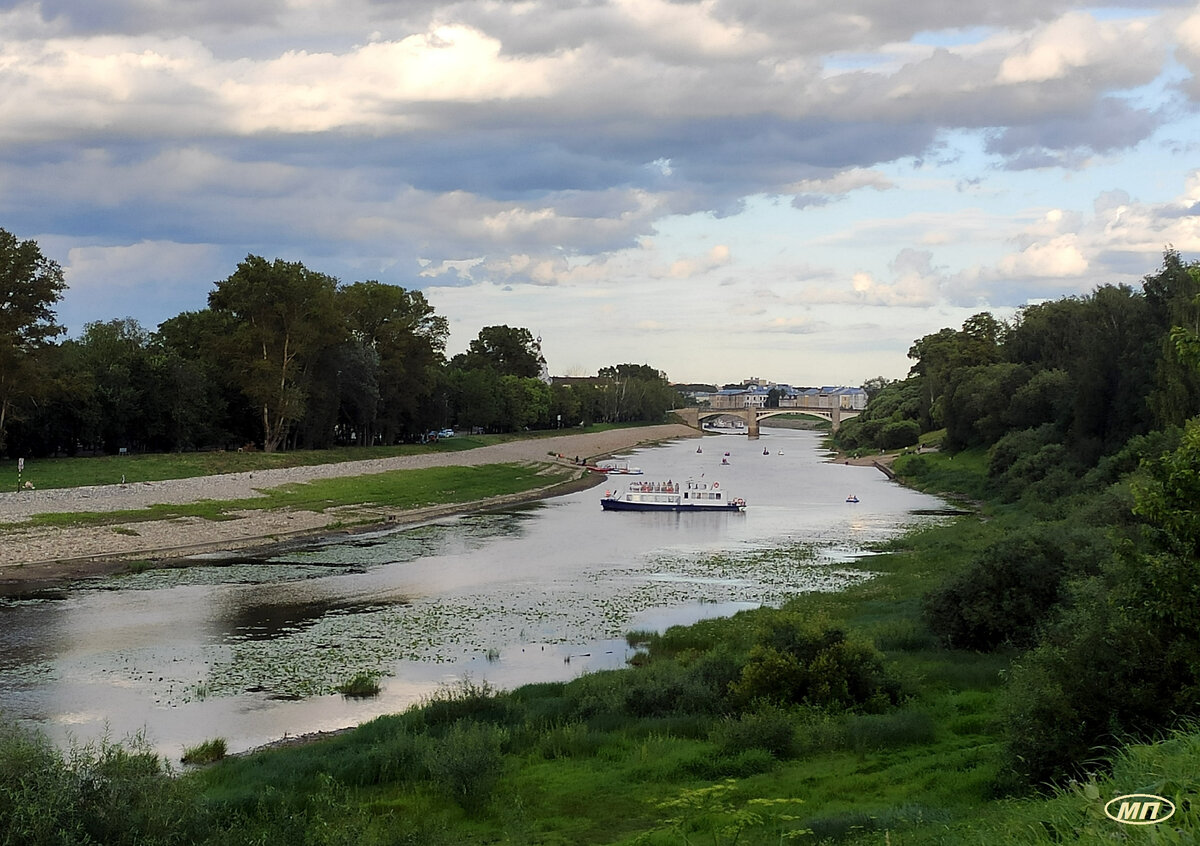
(283, 316)
(125, 388)
(63, 418)
(30, 285)
(940, 357)
(506, 350)
(636, 392)
(874, 385)
(1173, 296)
(977, 403)
(406, 341)
(206, 405)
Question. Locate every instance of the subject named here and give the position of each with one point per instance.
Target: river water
(250, 650)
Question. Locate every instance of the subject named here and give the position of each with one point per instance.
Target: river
(249, 650)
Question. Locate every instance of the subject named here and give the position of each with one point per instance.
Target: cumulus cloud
(543, 146)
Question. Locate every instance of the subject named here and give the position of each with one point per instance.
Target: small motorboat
(852, 498)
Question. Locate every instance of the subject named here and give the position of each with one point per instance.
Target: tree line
(1084, 414)
(283, 357)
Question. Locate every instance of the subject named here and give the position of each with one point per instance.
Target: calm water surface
(250, 651)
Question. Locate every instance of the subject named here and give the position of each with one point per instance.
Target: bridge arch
(694, 416)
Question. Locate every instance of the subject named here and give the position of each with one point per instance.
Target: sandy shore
(33, 558)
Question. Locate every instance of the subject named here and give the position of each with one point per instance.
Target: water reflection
(248, 649)
(267, 619)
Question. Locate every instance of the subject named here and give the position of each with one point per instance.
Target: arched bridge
(694, 416)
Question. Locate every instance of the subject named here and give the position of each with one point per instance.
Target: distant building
(755, 395)
(828, 397)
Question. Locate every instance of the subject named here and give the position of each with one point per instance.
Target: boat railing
(654, 487)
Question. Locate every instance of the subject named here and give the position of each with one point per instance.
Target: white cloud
(1072, 43)
(107, 268)
(1057, 258)
(599, 158)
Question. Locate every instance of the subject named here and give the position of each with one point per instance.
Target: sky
(791, 190)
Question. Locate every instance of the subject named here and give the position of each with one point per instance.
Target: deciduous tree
(30, 285)
(283, 316)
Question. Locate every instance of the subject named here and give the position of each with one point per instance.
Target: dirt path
(31, 558)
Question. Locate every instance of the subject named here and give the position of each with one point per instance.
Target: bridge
(694, 416)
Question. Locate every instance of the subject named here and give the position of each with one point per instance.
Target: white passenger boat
(672, 496)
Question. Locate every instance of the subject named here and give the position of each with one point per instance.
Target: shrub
(467, 700)
(467, 762)
(1015, 445)
(767, 727)
(802, 662)
(903, 433)
(667, 688)
(1121, 664)
(1006, 591)
(97, 793)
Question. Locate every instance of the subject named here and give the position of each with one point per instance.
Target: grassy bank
(155, 467)
(400, 490)
(836, 718)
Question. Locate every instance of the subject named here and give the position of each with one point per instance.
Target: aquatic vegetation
(310, 651)
(208, 752)
(361, 686)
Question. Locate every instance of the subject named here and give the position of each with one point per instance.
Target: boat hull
(623, 505)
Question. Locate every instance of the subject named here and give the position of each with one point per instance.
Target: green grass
(964, 473)
(153, 467)
(571, 763)
(208, 752)
(640, 757)
(400, 489)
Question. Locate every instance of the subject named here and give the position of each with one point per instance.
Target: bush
(1006, 591)
(1015, 445)
(898, 435)
(467, 762)
(669, 688)
(466, 700)
(1120, 665)
(804, 662)
(767, 727)
(97, 793)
